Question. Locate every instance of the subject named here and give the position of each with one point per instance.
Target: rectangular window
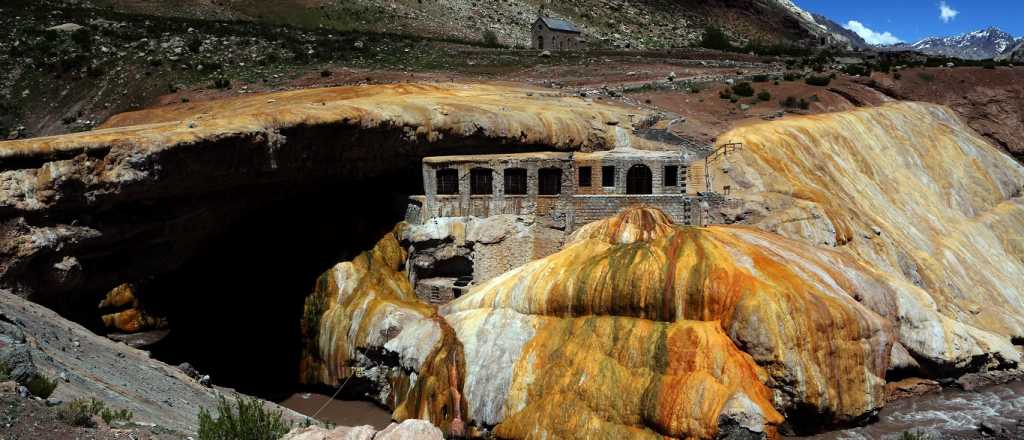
(671, 177)
(481, 181)
(448, 181)
(584, 176)
(608, 176)
(549, 181)
(515, 181)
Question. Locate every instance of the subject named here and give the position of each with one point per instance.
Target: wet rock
(974, 381)
(910, 387)
(411, 429)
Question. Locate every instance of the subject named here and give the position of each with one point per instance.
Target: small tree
(715, 38)
(743, 89)
(764, 96)
(490, 38)
(816, 80)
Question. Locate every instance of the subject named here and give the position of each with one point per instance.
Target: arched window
(638, 180)
(515, 181)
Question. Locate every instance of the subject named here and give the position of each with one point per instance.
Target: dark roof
(559, 25)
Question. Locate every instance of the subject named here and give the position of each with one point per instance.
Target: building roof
(559, 25)
(474, 158)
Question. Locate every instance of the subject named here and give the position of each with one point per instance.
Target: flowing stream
(950, 413)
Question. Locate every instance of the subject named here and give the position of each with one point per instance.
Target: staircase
(696, 178)
(720, 153)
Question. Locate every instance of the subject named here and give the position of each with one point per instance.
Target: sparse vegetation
(715, 38)
(80, 412)
(792, 102)
(926, 77)
(761, 78)
(725, 93)
(490, 38)
(41, 386)
(818, 80)
(221, 83)
(791, 76)
(764, 96)
(246, 419)
(743, 89)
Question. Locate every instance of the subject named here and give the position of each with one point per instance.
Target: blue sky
(911, 20)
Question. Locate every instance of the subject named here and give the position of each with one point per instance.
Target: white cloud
(871, 36)
(947, 13)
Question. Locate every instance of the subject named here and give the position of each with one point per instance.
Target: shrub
(490, 38)
(694, 89)
(41, 386)
(246, 419)
(734, 99)
(764, 96)
(743, 89)
(325, 73)
(926, 77)
(714, 38)
(815, 80)
(78, 412)
(791, 76)
(5, 371)
(725, 94)
(760, 78)
(897, 76)
(792, 102)
(82, 37)
(221, 83)
(194, 44)
(804, 105)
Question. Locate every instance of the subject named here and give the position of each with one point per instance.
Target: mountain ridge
(981, 44)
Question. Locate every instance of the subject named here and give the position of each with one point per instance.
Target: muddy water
(943, 415)
(339, 412)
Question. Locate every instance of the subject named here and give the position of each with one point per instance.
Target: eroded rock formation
(870, 228)
(88, 211)
(910, 189)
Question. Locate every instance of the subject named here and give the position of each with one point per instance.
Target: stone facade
(588, 186)
(553, 34)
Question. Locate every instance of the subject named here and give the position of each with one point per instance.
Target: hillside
(620, 23)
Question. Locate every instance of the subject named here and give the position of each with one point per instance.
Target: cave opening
(235, 306)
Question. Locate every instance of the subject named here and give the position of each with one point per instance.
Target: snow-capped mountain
(1014, 54)
(977, 45)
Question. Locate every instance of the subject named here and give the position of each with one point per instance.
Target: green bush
(221, 83)
(764, 96)
(761, 78)
(490, 38)
(815, 80)
(715, 38)
(743, 89)
(725, 94)
(78, 412)
(791, 76)
(246, 419)
(41, 386)
(792, 102)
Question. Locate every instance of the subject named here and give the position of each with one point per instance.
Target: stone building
(554, 34)
(568, 189)
(482, 215)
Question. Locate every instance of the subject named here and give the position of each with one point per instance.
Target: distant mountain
(977, 45)
(1014, 54)
(854, 40)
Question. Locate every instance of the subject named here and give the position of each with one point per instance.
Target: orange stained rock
(360, 306)
(785, 302)
(130, 317)
(909, 188)
(425, 113)
(614, 377)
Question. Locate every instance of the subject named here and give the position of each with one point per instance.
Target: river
(947, 414)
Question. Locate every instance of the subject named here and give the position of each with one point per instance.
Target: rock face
(208, 164)
(89, 366)
(864, 246)
(911, 190)
(411, 429)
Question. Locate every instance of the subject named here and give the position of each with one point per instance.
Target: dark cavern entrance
(234, 308)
